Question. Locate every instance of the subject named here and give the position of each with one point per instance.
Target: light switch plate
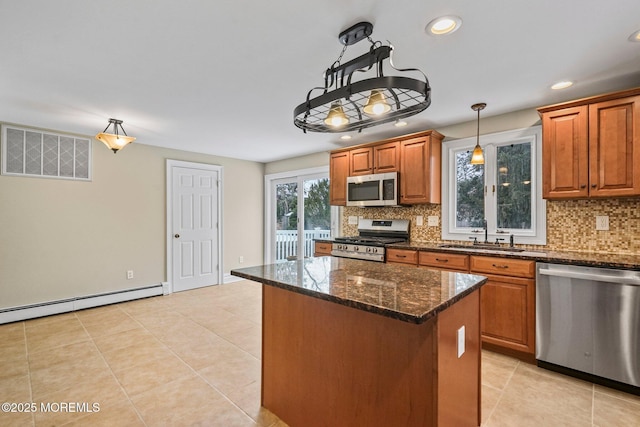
(419, 222)
(432, 221)
(460, 342)
(353, 220)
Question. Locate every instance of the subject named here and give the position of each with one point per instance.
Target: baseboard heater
(49, 308)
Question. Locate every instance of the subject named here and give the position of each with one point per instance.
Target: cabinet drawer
(322, 248)
(444, 260)
(503, 266)
(404, 256)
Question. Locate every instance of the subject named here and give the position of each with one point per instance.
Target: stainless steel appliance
(374, 235)
(380, 189)
(588, 320)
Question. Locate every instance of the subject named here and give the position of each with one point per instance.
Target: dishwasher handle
(591, 276)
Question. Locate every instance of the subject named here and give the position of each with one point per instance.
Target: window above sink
(506, 190)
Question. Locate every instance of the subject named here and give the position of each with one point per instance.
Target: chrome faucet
(484, 225)
(486, 237)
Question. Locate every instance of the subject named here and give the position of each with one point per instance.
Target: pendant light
(115, 141)
(477, 157)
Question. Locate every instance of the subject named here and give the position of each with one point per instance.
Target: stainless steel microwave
(380, 189)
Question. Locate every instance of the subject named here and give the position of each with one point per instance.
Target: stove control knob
(355, 248)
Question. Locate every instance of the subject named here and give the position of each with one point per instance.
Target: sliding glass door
(300, 213)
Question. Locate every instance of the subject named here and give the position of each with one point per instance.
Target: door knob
(177, 236)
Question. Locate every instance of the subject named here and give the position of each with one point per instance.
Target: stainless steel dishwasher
(588, 320)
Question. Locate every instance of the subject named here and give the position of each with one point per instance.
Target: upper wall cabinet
(591, 147)
(420, 169)
(416, 158)
(338, 173)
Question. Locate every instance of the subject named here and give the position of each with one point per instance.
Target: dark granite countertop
(412, 295)
(590, 259)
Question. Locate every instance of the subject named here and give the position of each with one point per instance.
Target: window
(506, 191)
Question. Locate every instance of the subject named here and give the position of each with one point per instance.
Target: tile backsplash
(571, 224)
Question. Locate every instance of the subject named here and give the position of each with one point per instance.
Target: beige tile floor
(193, 359)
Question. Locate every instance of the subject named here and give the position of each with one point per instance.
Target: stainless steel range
(374, 235)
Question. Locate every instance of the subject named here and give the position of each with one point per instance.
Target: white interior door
(195, 236)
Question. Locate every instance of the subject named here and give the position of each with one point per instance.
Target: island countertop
(411, 295)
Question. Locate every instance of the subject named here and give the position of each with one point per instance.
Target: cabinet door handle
(583, 186)
(442, 260)
(594, 185)
(500, 266)
(401, 256)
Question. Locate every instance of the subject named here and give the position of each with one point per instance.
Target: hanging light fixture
(115, 141)
(477, 157)
(346, 105)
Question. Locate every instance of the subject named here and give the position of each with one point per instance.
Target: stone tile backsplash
(571, 224)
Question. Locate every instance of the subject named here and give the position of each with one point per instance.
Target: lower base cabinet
(322, 248)
(507, 300)
(507, 314)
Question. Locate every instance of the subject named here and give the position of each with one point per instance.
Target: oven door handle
(591, 276)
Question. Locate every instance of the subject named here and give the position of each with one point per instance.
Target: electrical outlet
(129, 274)
(432, 220)
(602, 223)
(240, 259)
(353, 220)
(461, 341)
(419, 222)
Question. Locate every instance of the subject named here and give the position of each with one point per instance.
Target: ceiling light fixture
(346, 105)
(477, 157)
(443, 25)
(635, 37)
(345, 137)
(115, 141)
(562, 85)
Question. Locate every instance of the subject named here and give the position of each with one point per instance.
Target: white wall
(63, 239)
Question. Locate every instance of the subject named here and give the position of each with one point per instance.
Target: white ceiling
(222, 77)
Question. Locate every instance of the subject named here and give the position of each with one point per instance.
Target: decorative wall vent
(30, 152)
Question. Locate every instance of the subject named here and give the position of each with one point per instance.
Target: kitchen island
(358, 343)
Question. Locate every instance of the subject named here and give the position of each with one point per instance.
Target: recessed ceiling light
(443, 25)
(345, 137)
(400, 123)
(635, 37)
(562, 85)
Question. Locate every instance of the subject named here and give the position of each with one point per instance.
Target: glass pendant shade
(336, 116)
(477, 157)
(115, 141)
(376, 104)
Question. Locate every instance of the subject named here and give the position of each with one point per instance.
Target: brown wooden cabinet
(565, 167)
(321, 248)
(361, 161)
(402, 256)
(445, 261)
(386, 157)
(420, 169)
(507, 305)
(591, 147)
(415, 157)
(338, 173)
